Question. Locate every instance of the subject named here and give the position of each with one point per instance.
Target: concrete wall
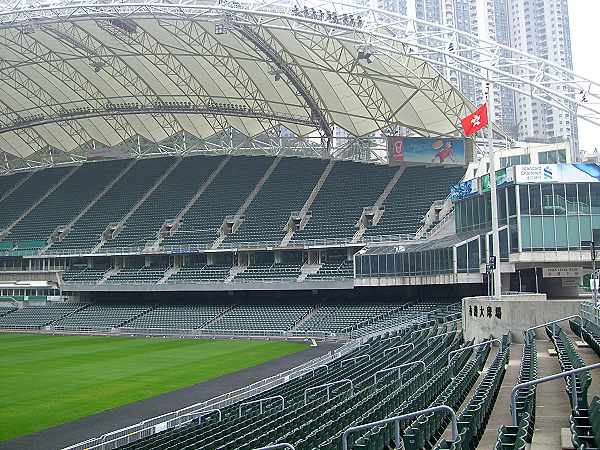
(515, 313)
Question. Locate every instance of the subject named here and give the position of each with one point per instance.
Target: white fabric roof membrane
(70, 79)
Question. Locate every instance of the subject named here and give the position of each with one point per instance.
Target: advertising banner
(464, 189)
(504, 177)
(558, 173)
(562, 272)
(444, 151)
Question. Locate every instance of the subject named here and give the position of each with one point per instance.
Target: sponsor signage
(445, 151)
(562, 272)
(557, 173)
(464, 189)
(504, 177)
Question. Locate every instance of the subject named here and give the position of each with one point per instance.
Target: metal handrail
(440, 335)
(260, 402)
(398, 347)
(282, 445)
(571, 373)
(396, 421)
(526, 332)
(193, 416)
(355, 358)
(389, 369)
(328, 386)
(460, 350)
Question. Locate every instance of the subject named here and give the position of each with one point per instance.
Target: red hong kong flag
(476, 121)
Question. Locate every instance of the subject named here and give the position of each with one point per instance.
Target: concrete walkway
(501, 412)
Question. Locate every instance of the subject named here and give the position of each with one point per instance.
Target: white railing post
(328, 387)
(574, 316)
(276, 446)
(401, 366)
(260, 403)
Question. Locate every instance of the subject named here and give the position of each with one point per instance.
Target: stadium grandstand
(255, 225)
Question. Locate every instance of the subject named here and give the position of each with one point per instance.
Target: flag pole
(497, 291)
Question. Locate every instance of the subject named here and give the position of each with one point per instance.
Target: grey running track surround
(568, 373)
(260, 402)
(328, 386)
(574, 316)
(396, 421)
(460, 350)
(401, 366)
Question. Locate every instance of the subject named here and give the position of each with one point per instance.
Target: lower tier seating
(260, 317)
(100, 317)
(338, 318)
(201, 274)
(137, 275)
(34, 317)
(86, 275)
(177, 317)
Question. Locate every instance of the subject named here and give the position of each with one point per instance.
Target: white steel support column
(497, 291)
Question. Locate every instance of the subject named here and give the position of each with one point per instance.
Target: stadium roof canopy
(78, 78)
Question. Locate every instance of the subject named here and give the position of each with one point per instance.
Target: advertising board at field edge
(444, 151)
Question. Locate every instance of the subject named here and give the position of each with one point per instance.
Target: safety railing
(328, 388)
(401, 366)
(440, 335)
(396, 421)
(355, 359)
(526, 333)
(276, 446)
(397, 348)
(260, 402)
(568, 373)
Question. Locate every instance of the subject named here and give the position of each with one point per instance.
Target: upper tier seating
(200, 274)
(28, 193)
(132, 275)
(261, 317)
(223, 197)
(341, 317)
(178, 317)
(86, 275)
(113, 206)
(165, 202)
(101, 317)
(319, 422)
(8, 182)
(412, 196)
(286, 191)
(33, 317)
(68, 200)
(348, 189)
(333, 270)
(270, 272)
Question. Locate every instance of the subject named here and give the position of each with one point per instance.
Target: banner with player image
(446, 151)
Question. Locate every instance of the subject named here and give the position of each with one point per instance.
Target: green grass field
(49, 380)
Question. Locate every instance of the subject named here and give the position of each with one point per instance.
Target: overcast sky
(585, 37)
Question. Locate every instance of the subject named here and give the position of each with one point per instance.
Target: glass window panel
(561, 156)
(560, 225)
(547, 200)
(537, 233)
(583, 194)
(375, 264)
(461, 258)
(488, 208)
(560, 205)
(469, 220)
(525, 159)
(503, 163)
(504, 244)
(397, 263)
(535, 200)
(512, 204)
(573, 232)
(501, 199)
(514, 235)
(549, 239)
(524, 199)
(571, 198)
(473, 255)
(585, 228)
(595, 197)
(359, 264)
(382, 264)
(543, 158)
(367, 265)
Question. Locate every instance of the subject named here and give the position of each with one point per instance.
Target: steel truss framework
(256, 77)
